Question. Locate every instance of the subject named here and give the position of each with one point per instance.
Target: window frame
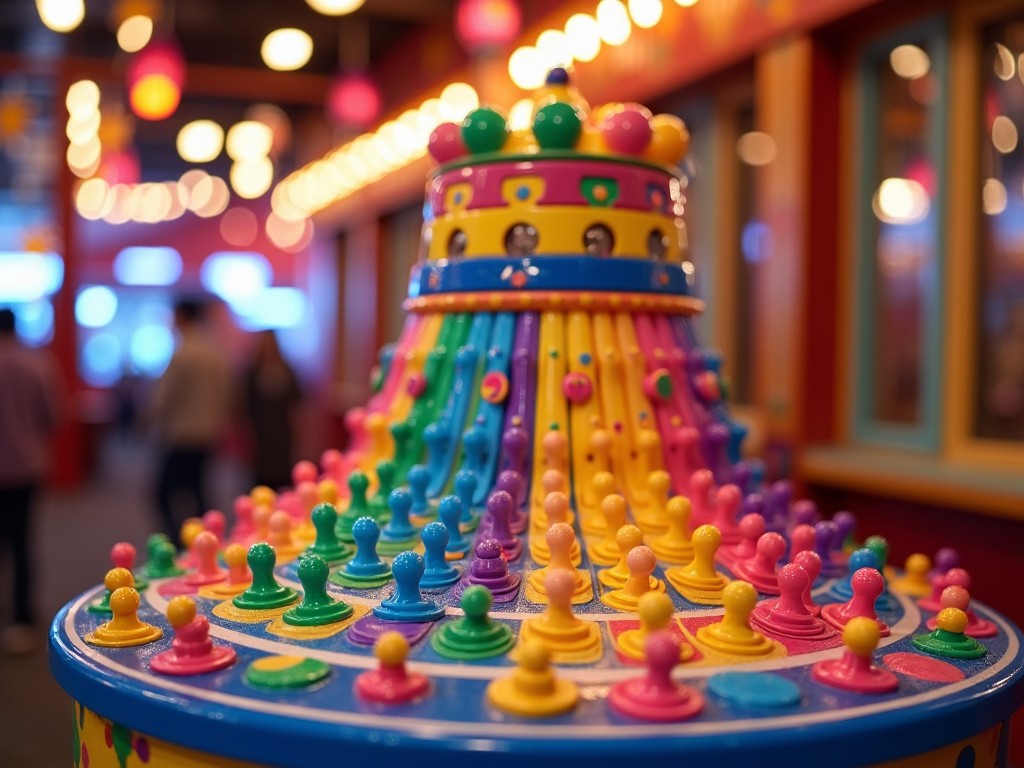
(863, 426)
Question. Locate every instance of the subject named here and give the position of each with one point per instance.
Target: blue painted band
(549, 273)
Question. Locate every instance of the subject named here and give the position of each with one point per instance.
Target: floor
(73, 535)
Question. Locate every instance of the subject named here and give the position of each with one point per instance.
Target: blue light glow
(151, 349)
(35, 322)
(236, 276)
(276, 308)
(147, 265)
(29, 276)
(95, 306)
(101, 360)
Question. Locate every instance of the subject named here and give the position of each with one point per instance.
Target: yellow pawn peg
(532, 690)
(648, 445)
(914, 581)
(238, 579)
(555, 445)
(613, 510)
(281, 538)
(602, 485)
(641, 562)
(570, 639)
(124, 629)
(560, 540)
(327, 490)
(262, 496)
(674, 546)
(191, 528)
(652, 518)
(601, 448)
(733, 634)
(699, 582)
(628, 536)
(655, 610)
(556, 510)
(261, 523)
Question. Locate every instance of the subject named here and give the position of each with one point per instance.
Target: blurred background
(854, 206)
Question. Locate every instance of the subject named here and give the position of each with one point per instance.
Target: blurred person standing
(272, 399)
(31, 407)
(190, 409)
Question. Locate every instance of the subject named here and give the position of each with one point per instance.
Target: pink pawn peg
(304, 472)
(308, 495)
(801, 539)
(207, 570)
(727, 503)
(788, 616)
(759, 570)
(334, 464)
(751, 528)
(122, 555)
(391, 682)
(216, 523)
(656, 696)
(684, 441)
(954, 577)
(955, 596)
(701, 483)
(192, 651)
(242, 529)
(260, 524)
(810, 561)
(853, 671)
(867, 584)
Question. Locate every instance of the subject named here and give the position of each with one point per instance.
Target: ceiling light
(457, 99)
(249, 140)
(553, 47)
(61, 15)
(251, 178)
(211, 196)
(83, 95)
(645, 13)
(584, 36)
(909, 62)
(335, 7)
(286, 49)
(134, 33)
(200, 141)
(526, 68)
(613, 22)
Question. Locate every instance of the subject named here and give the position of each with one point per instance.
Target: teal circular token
(278, 672)
(755, 690)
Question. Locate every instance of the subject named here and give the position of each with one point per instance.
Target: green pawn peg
(317, 607)
(379, 508)
(948, 640)
(476, 635)
(880, 546)
(264, 592)
(327, 544)
(358, 506)
(160, 564)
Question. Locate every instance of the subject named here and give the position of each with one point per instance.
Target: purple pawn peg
(490, 569)
(512, 482)
(776, 510)
(515, 443)
(500, 507)
(946, 559)
(805, 512)
(846, 524)
(825, 533)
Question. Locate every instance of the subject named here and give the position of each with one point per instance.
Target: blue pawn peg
(438, 443)
(861, 558)
(465, 489)
(406, 604)
(474, 443)
(438, 572)
(450, 512)
(366, 569)
(418, 479)
(399, 528)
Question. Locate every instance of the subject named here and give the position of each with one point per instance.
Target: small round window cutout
(521, 239)
(457, 244)
(598, 240)
(657, 244)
